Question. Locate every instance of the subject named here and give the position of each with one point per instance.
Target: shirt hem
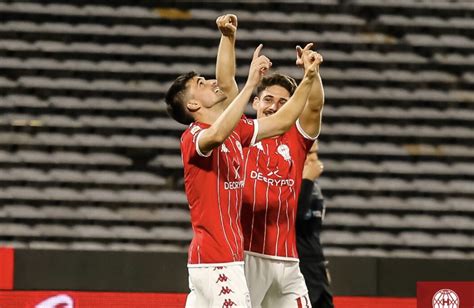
(231, 263)
(279, 258)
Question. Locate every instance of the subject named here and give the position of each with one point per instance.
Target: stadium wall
(162, 272)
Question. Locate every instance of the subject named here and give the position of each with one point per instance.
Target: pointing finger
(256, 53)
(308, 46)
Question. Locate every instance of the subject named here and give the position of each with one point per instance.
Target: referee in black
(309, 219)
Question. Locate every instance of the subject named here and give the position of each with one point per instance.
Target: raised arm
(281, 121)
(310, 118)
(218, 132)
(225, 62)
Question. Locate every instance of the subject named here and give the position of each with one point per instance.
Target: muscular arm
(286, 116)
(218, 132)
(281, 121)
(225, 62)
(310, 118)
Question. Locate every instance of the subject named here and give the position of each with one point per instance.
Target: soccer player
(211, 149)
(309, 218)
(273, 169)
(273, 176)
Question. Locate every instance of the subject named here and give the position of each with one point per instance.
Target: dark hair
(277, 79)
(176, 106)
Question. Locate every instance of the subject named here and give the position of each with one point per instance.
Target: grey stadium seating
(89, 159)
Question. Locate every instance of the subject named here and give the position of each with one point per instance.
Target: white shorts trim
(216, 264)
(264, 256)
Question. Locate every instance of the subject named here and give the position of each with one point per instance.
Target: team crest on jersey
(284, 151)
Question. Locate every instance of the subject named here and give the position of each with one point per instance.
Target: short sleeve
(248, 130)
(305, 140)
(189, 144)
(303, 133)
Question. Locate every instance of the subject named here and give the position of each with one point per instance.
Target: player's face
(270, 100)
(206, 91)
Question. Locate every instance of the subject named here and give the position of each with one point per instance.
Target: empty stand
(89, 159)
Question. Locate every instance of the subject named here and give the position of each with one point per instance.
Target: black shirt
(309, 219)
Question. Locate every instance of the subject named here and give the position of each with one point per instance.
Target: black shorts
(317, 281)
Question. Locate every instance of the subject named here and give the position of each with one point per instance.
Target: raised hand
(311, 64)
(312, 169)
(305, 56)
(299, 53)
(227, 24)
(259, 67)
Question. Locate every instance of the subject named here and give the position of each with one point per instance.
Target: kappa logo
(222, 278)
(284, 151)
(225, 290)
(224, 149)
(445, 298)
(259, 146)
(58, 301)
(228, 303)
(194, 130)
(248, 121)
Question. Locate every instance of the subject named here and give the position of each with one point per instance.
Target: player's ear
(193, 105)
(255, 102)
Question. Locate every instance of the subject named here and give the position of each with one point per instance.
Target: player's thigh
(229, 287)
(258, 273)
(292, 290)
(199, 288)
(292, 281)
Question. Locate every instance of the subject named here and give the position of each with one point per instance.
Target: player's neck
(210, 115)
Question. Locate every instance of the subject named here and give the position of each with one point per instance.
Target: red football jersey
(213, 185)
(273, 174)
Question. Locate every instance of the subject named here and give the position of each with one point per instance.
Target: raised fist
(227, 24)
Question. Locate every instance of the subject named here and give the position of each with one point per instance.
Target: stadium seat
(90, 160)
(18, 230)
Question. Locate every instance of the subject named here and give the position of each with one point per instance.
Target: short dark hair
(277, 79)
(176, 106)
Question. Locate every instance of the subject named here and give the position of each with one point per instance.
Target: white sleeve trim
(197, 146)
(255, 132)
(303, 133)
